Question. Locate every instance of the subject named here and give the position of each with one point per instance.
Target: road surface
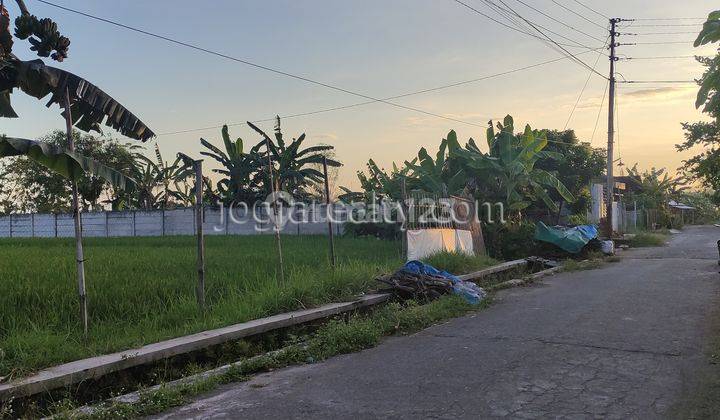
(622, 341)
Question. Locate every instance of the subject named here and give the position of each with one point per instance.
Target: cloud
(663, 92)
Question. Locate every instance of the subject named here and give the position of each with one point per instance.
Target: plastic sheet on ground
(472, 293)
(571, 240)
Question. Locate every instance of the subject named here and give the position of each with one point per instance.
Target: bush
(577, 219)
(510, 241)
(390, 231)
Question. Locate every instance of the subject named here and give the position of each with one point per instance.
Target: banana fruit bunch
(6, 41)
(44, 36)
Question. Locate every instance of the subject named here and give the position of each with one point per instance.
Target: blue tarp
(571, 240)
(472, 293)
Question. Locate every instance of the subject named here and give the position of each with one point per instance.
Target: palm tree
(239, 168)
(296, 168)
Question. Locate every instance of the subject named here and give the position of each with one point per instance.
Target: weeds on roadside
(336, 337)
(646, 239)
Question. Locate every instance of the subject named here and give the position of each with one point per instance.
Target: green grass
(336, 337)
(142, 290)
(454, 262)
(645, 239)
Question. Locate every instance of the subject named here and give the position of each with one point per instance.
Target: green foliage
(510, 241)
(507, 172)
(657, 187)
(710, 80)
(459, 263)
(706, 210)
(239, 169)
(705, 166)
(32, 186)
(577, 219)
(575, 164)
(295, 168)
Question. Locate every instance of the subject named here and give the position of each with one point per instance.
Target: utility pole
(611, 132)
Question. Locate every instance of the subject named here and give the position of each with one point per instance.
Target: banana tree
(296, 167)
(83, 104)
(68, 164)
(239, 168)
(380, 183)
(442, 175)
(507, 172)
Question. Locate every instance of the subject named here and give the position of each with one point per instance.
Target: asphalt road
(622, 341)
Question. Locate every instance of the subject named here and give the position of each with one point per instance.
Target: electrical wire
(257, 66)
(591, 9)
(597, 120)
(579, 15)
(560, 22)
(521, 25)
(462, 3)
(582, 91)
(404, 95)
(552, 40)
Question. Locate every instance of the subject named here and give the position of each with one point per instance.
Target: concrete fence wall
(168, 223)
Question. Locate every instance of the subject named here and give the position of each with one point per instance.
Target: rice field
(142, 290)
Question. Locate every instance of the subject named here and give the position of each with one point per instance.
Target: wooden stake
(327, 210)
(200, 234)
(79, 254)
(275, 212)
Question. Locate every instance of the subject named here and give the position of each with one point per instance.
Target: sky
(379, 48)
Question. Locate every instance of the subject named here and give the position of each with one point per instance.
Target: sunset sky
(379, 48)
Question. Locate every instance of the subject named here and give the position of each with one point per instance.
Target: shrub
(511, 240)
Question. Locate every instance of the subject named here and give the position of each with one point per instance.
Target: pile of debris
(420, 287)
(422, 282)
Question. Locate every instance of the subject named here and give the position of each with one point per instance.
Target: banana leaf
(67, 164)
(90, 106)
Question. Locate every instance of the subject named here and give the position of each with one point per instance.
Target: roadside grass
(703, 400)
(359, 332)
(142, 290)
(455, 262)
(647, 239)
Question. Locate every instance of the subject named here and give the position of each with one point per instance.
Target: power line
(600, 108)
(579, 15)
(552, 40)
(582, 91)
(258, 66)
(512, 27)
(404, 95)
(592, 10)
(560, 22)
(511, 18)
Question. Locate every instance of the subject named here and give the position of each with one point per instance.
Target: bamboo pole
(275, 212)
(327, 210)
(200, 234)
(79, 254)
